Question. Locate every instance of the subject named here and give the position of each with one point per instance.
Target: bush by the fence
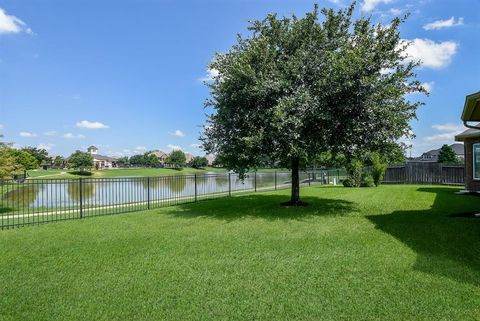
(378, 168)
(367, 181)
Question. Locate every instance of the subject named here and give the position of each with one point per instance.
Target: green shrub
(378, 168)
(355, 171)
(348, 182)
(367, 181)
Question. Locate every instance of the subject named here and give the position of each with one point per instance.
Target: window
(476, 161)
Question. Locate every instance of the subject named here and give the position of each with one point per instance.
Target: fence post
(255, 180)
(275, 180)
(148, 192)
(196, 197)
(229, 184)
(81, 197)
(309, 180)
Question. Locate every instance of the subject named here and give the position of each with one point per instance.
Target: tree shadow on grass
(444, 245)
(263, 206)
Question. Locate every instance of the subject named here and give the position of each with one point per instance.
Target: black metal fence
(425, 173)
(34, 201)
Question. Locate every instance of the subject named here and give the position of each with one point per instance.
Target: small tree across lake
(198, 162)
(177, 158)
(298, 87)
(80, 160)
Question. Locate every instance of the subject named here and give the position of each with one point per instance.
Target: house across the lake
(100, 161)
(432, 155)
(471, 140)
(162, 156)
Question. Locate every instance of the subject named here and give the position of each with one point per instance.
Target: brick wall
(470, 183)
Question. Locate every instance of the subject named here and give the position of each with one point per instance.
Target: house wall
(470, 183)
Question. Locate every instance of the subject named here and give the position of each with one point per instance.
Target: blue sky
(127, 75)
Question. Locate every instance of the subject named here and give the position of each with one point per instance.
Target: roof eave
(471, 102)
(462, 138)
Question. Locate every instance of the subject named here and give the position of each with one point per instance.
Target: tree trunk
(295, 197)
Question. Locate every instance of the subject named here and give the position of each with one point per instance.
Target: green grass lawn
(388, 253)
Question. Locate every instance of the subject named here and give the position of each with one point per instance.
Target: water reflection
(66, 193)
(18, 196)
(88, 190)
(176, 184)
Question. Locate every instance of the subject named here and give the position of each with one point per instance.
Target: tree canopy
(14, 160)
(25, 160)
(177, 158)
(80, 160)
(198, 162)
(447, 155)
(8, 165)
(298, 87)
(40, 154)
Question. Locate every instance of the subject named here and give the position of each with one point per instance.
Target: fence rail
(34, 201)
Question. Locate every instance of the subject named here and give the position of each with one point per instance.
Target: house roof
(159, 154)
(457, 148)
(469, 133)
(471, 109)
(104, 158)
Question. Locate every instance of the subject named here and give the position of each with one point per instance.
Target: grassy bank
(121, 172)
(388, 253)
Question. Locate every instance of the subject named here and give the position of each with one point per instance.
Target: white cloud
(211, 74)
(50, 133)
(428, 86)
(1, 126)
(73, 136)
(174, 147)
(91, 125)
(11, 24)
(446, 135)
(431, 54)
(141, 148)
(369, 5)
(47, 146)
(28, 134)
(440, 138)
(178, 133)
(396, 11)
(449, 127)
(196, 145)
(442, 134)
(439, 24)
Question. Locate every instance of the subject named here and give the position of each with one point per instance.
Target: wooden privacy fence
(425, 173)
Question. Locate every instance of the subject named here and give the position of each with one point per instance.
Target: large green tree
(150, 159)
(198, 162)
(80, 160)
(8, 166)
(297, 87)
(177, 158)
(24, 159)
(40, 154)
(137, 160)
